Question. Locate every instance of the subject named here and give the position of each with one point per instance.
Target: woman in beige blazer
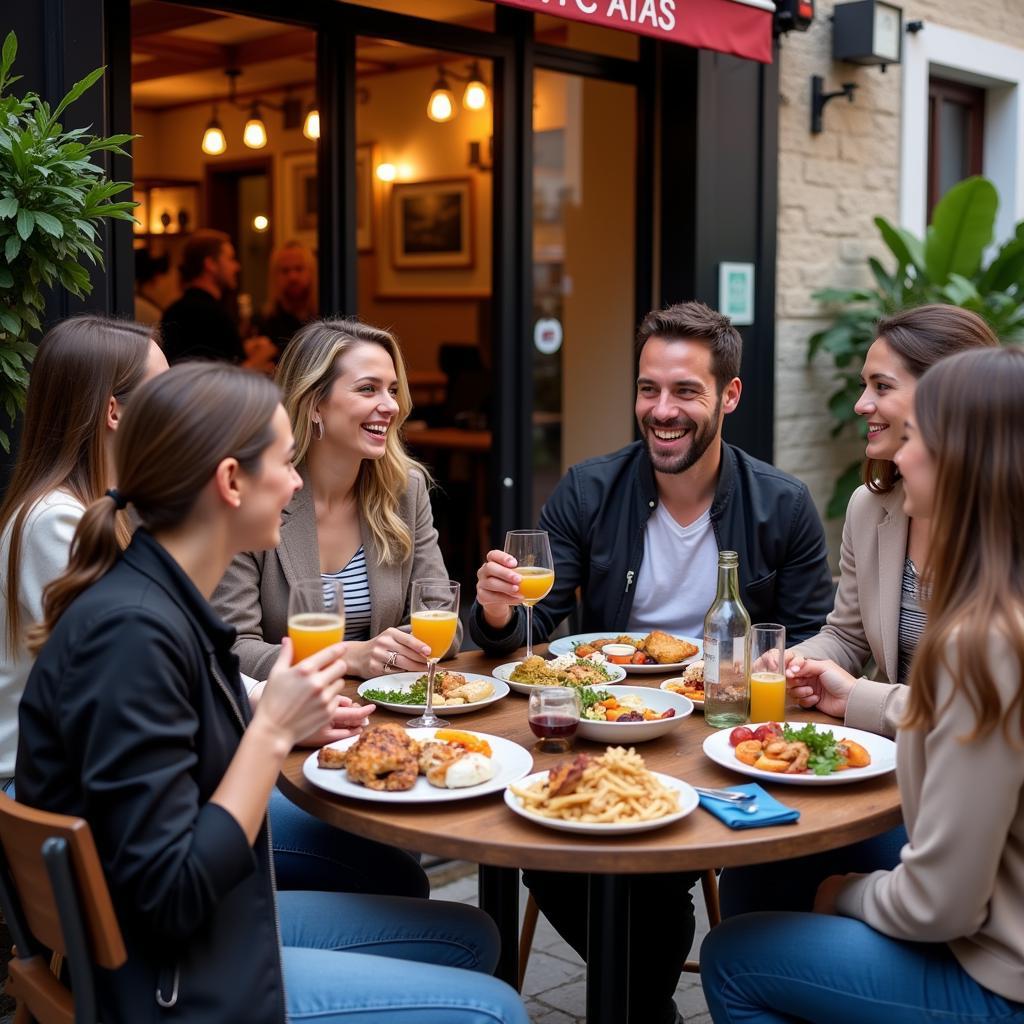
(937, 936)
(877, 616)
(363, 517)
(363, 502)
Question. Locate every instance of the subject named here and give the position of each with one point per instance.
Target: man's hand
(497, 588)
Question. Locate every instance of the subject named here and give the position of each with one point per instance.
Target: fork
(743, 801)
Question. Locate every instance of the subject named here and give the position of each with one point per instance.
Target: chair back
(55, 899)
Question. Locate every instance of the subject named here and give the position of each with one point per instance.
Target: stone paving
(555, 986)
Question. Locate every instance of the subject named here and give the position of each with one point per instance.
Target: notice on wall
(736, 292)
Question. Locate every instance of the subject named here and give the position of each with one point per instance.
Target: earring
(319, 429)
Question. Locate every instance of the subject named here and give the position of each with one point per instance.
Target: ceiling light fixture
(476, 95)
(311, 126)
(255, 133)
(441, 105)
(214, 142)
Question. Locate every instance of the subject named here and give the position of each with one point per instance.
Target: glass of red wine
(554, 717)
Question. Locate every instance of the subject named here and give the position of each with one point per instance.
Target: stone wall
(831, 186)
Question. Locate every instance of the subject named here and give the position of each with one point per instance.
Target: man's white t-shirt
(678, 577)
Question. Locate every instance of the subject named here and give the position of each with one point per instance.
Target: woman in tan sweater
(939, 936)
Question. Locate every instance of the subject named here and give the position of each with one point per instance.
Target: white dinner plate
(688, 801)
(698, 704)
(403, 680)
(511, 762)
(567, 644)
(882, 751)
(503, 672)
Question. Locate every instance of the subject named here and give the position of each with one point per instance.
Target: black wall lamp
(819, 98)
(867, 32)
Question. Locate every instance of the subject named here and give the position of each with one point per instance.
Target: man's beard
(701, 437)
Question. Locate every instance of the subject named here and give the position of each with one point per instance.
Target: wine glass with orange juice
(536, 569)
(767, 679)
(316, 616)
(434, 620)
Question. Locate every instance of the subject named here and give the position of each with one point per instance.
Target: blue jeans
(310, 854)
(336, 950)
(792, 884)
(783, 967)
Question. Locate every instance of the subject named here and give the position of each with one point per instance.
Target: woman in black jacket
(134, 718)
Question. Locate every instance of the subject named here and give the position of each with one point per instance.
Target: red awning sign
(740, 27)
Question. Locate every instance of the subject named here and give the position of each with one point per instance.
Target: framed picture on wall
(432, 224)
(299, 192)
(365, 152)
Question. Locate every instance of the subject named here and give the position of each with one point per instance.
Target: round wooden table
(484, 830)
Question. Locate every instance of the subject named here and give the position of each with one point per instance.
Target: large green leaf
(961, 229)
(907, 249)
(1006, 270)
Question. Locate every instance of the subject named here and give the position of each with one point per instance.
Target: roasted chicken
(384, 757)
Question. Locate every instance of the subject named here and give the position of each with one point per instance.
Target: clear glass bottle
(727, 650)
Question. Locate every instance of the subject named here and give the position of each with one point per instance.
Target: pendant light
(441, 105)
(476, 95)
(311, 126)
(255, 133)
(214, 142)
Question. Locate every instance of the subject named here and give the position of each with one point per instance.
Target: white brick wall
(831, 186)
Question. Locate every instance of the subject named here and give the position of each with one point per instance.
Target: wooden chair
(55, 899)
(708, 882)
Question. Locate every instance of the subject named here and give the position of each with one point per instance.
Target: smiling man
(638, 532)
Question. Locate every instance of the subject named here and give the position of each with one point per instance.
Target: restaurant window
(226, 113)
(956, 120)
(576, 35)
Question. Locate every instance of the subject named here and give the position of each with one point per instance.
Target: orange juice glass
(435, 628)
(316, 616)
(535, 583)
(767, 697)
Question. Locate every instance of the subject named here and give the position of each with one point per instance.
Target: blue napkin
(769, 810)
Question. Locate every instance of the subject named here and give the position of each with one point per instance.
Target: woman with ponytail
(134, 717)
(84, 372)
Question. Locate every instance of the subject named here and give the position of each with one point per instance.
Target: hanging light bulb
(475, 96)
(255, 133)
(441, 105)
(214, 142)
(311, 126)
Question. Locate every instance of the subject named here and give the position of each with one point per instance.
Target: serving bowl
(637, 732)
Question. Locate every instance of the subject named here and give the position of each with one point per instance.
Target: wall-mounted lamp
(867, 32)
(793, 15)
(819, 98)
(476, 155)
(386, 172)
(260, 222)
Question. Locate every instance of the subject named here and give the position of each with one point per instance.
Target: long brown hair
(310, 365)
(181, 425)
(82, 362)
(920, 337)
(971, 419)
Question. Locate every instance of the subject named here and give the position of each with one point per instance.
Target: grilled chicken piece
(565, 776)
(668, 650)
(385, 757)
(331, 757)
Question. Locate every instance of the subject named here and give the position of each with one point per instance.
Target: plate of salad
(802, 753)
(454, 692)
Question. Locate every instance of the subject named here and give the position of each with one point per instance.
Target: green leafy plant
(52, 197)
(947, 266)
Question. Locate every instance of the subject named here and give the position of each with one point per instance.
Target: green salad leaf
(416, 694)
(825, 757)
(589, 697)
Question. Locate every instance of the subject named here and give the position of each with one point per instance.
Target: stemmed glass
(434, 619)
(532, 552)
(316, 616)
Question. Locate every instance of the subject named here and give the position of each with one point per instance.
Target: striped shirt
(355, 585)
(912, 620)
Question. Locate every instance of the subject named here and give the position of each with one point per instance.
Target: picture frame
(365, 162)
(299, 193)
(432, 224)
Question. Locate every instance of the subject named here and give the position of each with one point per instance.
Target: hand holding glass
(554, 717)
(536, 569)
(767, 678)
(434, 620)
(316, 616)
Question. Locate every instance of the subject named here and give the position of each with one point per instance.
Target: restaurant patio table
(484, 830)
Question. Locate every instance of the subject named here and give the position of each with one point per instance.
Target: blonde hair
(307, 371)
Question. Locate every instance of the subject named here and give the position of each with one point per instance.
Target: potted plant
(948, 265)
(52, 197)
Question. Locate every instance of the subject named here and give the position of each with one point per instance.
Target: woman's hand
(298, 700)
(347, 719)
(369, 658)
(497, 588)
(820, 684)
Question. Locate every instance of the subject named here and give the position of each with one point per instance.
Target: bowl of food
(567, 670)
(689, 684)
(619, 654)
(629, 714)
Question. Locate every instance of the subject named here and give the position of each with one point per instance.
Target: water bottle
(727, 650)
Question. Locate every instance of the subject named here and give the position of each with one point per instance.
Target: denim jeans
(775, 968)
(792, 884)
(336, 950)
(310, 854)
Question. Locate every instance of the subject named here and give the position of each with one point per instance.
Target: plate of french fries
(607, 794)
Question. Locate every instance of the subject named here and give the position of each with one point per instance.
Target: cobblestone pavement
(555, 986)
